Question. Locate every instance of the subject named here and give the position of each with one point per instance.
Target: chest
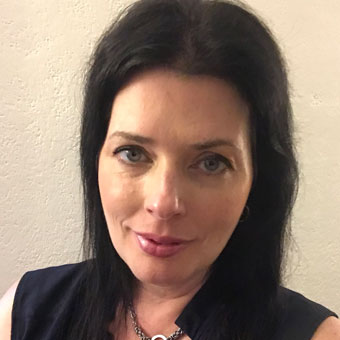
(130, 334)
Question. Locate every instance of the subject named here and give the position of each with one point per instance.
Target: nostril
(164, 208)
(149, 210)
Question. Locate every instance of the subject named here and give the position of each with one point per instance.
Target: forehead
(160, 101)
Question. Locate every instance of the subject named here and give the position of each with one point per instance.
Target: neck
(158, 307)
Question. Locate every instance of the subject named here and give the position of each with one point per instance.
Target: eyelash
(129, 148)
(214, 157)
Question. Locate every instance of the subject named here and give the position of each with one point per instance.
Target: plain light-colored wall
(44, 47)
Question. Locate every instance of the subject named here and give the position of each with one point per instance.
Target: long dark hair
(196, 37)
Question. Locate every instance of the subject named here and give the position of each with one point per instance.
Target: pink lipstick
(159, 246)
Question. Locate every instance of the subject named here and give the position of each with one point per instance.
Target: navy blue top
(46, 299)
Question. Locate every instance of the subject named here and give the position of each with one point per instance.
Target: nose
(163, 196)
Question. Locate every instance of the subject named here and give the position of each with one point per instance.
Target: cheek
(225, 209)
(119, 198)
(218, 220)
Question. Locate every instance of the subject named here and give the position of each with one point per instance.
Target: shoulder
(48, 285)
(53, 276)
(6, 306)
(328, 330)
(303, 318)
(39, 297)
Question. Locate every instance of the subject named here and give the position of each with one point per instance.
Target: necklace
(142, 336)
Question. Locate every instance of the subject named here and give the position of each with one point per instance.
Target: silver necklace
(142, 336)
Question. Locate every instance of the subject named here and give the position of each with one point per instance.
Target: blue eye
(130, 154)
(214, 164)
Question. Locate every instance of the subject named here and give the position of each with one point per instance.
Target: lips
(160, 239)
(159, 246)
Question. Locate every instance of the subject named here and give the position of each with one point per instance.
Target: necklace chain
(142, 336)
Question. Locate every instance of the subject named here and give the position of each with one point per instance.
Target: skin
(172, 191)
(328, 330)
(170, 188)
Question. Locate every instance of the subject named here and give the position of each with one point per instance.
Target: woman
(189, 179)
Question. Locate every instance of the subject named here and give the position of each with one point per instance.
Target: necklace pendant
(159, 336)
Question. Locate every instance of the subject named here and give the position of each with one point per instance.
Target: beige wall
(44, 45)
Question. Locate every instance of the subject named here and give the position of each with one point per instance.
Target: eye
(131, 154)
(214, 164)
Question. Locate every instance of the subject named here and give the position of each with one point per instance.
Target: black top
(45, 301)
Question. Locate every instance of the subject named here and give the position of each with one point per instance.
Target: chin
(157, 275)
(167, 275)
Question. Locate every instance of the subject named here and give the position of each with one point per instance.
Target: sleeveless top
(46, 299)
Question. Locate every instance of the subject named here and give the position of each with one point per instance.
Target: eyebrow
(132, 137)
(198, 146)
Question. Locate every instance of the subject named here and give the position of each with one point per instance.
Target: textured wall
(44, 46)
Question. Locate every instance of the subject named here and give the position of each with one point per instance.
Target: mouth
(165, 240)
(160, 246)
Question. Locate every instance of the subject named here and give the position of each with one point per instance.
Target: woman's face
(174, 174)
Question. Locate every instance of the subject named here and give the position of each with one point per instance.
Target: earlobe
(245, 214)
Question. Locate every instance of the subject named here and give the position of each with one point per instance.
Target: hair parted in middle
(223, 39)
